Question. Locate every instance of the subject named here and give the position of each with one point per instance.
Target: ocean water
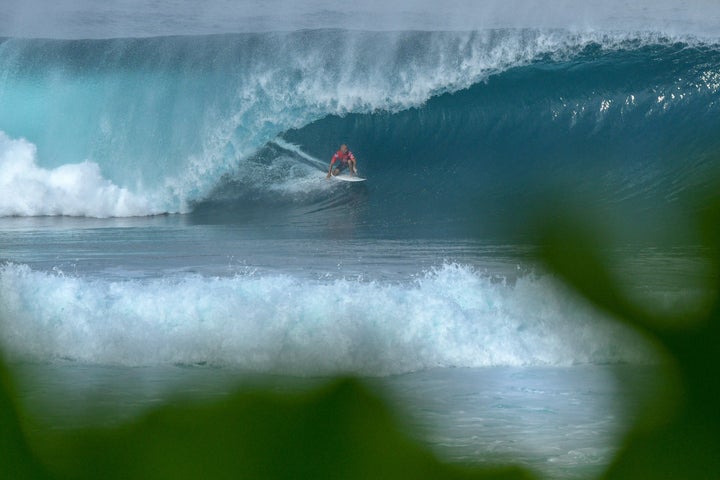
(166, 228)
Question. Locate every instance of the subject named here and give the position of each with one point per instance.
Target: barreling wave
(448, 317)
(631, 128)
(146, 126)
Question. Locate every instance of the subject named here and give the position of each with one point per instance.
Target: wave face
(128, 127)
(449, 317)
(631, 130)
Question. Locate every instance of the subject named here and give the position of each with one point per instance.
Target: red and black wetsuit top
(342, 157)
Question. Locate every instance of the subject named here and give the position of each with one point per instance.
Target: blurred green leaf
(16, 459)
(686, 445)
(342, 431)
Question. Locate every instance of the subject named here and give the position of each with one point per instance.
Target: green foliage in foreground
(681, 442)
(343, 431)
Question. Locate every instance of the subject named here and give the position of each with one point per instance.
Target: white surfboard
(349, 178)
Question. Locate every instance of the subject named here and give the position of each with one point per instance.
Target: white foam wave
(451, 317)
(74, 189)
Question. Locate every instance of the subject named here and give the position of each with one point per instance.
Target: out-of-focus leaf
(573, 252)
(688, 444)
(16, 459)
(341, 432)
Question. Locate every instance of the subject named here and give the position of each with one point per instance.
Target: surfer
(345, 159)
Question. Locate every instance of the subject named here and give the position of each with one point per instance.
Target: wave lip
(449, 317)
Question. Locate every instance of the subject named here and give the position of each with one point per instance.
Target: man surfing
(345, 159)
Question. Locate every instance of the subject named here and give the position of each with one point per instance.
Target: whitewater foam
(72, 189)
(449, 317)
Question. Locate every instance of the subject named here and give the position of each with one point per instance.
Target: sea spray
(71, 189)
